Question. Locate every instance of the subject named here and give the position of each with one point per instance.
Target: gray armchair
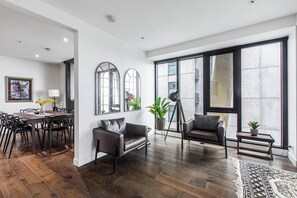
(205, 128)
(117, 138)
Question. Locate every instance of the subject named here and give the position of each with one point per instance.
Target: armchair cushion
(133, 141)
(115, 125)
(204, 135)
(206, 122)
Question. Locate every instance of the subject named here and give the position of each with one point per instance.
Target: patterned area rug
(255, 180)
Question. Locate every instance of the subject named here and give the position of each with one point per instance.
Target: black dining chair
(17, 126)
(56, 124)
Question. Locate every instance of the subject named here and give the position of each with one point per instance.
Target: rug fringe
(237, 181)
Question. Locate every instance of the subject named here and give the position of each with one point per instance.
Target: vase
(42, 109)
(254, 132)
(160, 123)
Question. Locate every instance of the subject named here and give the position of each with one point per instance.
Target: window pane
(230, 123)
(166, 84)
(221, 81)
(172, 68)
(261, 88)
(191, 86)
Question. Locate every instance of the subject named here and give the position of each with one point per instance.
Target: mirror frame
(137, 74)
(97, 84)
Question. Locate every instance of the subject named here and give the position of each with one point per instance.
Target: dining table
(34, 118)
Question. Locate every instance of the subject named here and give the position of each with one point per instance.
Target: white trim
(292, 159)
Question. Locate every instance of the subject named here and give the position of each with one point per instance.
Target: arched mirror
(132, 90)
(107, 89)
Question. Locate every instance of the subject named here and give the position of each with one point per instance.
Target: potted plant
(135, 103)
(255, 125)
(159, 109)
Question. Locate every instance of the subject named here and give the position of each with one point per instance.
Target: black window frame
(237, 81)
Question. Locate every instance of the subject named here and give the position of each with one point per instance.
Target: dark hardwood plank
(10, 185)
(166, 171)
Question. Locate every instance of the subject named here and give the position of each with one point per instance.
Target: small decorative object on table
(42, 104)
(255, 125)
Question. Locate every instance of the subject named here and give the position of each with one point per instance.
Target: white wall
(292, 73)
(93, 46)
(45, 77)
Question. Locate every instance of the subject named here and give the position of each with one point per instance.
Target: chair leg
(50, 141)
(182, 143)
(114, 164)
(146, 147)
(97, 150)
(8, 136)
(226, 154)
(43, 137)
(11, 147)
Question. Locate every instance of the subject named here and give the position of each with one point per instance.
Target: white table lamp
(53, 93)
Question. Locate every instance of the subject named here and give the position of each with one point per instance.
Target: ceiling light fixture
(37, 55)
(142, 38)
(65, 40)
(110, 18)
(252, 1)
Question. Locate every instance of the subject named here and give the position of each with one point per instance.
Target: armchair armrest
(110, 142)
(221, 133)
(187, 127)
(137, 130)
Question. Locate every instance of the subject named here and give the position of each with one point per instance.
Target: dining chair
(18, 127)
(56, 124)
(71, 122)
(6, 127)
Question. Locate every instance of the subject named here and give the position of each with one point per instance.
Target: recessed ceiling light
(110, 18)
(37, 55)
(65, 39)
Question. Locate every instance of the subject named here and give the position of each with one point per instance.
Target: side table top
(259, 137)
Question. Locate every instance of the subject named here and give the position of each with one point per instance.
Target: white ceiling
(167, 22)
(35, 35)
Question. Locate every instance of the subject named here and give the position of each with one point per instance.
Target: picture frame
(18, 89)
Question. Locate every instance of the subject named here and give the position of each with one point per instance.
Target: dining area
(38, 132)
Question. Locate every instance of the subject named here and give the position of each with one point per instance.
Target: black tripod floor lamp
(178, 108)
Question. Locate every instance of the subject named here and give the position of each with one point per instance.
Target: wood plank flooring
(166, 171)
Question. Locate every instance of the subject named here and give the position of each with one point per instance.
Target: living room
(147, 36)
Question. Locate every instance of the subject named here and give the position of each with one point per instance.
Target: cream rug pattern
(259, 181)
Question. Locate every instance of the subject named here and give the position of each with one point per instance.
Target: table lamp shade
(54, 93)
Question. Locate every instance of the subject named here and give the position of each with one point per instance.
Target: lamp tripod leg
(170, 122)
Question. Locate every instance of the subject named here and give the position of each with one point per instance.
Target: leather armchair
(117, 138)
(205, 128)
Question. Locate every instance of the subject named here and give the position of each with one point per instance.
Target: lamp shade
(174, 96)
(54, 93)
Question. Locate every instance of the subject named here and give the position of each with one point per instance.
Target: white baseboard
(292, 159)
(80, 162)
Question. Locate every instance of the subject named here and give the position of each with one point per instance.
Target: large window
(261, 88)
(241, 84)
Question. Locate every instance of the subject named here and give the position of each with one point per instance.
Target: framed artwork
(18, 89)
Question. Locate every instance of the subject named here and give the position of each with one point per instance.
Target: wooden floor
(166, 171)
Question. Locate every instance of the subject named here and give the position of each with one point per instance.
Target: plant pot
(254, 132)
(160, 123)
